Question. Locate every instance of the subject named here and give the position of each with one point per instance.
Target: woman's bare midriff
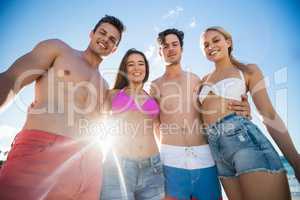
(213, 109)
(133, 137)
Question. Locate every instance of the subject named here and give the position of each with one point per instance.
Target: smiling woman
(132, 166)
(242, 153)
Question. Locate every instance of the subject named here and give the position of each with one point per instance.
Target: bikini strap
(243, 78)
(242, 75)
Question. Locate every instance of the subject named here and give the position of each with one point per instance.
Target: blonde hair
(228, 36)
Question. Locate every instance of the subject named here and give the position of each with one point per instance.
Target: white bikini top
(228, 88)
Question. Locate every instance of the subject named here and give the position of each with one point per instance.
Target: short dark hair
(122, 80)
(162, 35)
(113, 21)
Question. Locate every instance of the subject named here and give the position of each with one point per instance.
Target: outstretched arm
(27, 69)
(272, 120)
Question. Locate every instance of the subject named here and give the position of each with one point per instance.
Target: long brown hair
(122, 79)
(228, 36)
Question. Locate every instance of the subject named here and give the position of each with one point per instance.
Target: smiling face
(104, 40)
(136, 68)
(215, 45)
(171, 50)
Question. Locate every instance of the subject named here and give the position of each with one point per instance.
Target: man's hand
(241, 107)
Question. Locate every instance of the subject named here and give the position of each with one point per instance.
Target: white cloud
(179, 9)
(7, 136)
(157, 66)
(173, 13)
(158, 60)
(153, 56)
(150, 51)
(193, 23)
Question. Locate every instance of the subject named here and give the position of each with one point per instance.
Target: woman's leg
(251, 156)
(114, 183)
(232, 188)
(151, 181)
(264, 185)
(258, 186)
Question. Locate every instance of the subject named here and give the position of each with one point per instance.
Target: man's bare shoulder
(192, 75)
(55, 44)
(54, 47)
(193, 78)
(157, 81)
(155, 87)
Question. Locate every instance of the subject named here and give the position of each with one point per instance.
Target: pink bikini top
(122, 102)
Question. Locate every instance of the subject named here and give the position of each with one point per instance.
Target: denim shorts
(131, 179)
(238, 146)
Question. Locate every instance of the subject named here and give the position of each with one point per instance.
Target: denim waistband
(228, 117)
(223, 125)
(139, 163)
(143, 163)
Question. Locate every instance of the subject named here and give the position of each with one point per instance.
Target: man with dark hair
(189, 168)
(113, 21)
(162, 36)
(51, 158)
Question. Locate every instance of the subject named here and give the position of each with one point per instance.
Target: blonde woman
(248, 165)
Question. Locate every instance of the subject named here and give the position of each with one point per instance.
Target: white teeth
(102, 45)
(213, 52)
(137, 73)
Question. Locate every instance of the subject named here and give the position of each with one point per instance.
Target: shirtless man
(50, 158)
(189, 168)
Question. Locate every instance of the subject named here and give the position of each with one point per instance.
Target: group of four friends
(175, 142)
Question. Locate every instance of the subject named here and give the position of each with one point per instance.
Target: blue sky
(264, 32)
